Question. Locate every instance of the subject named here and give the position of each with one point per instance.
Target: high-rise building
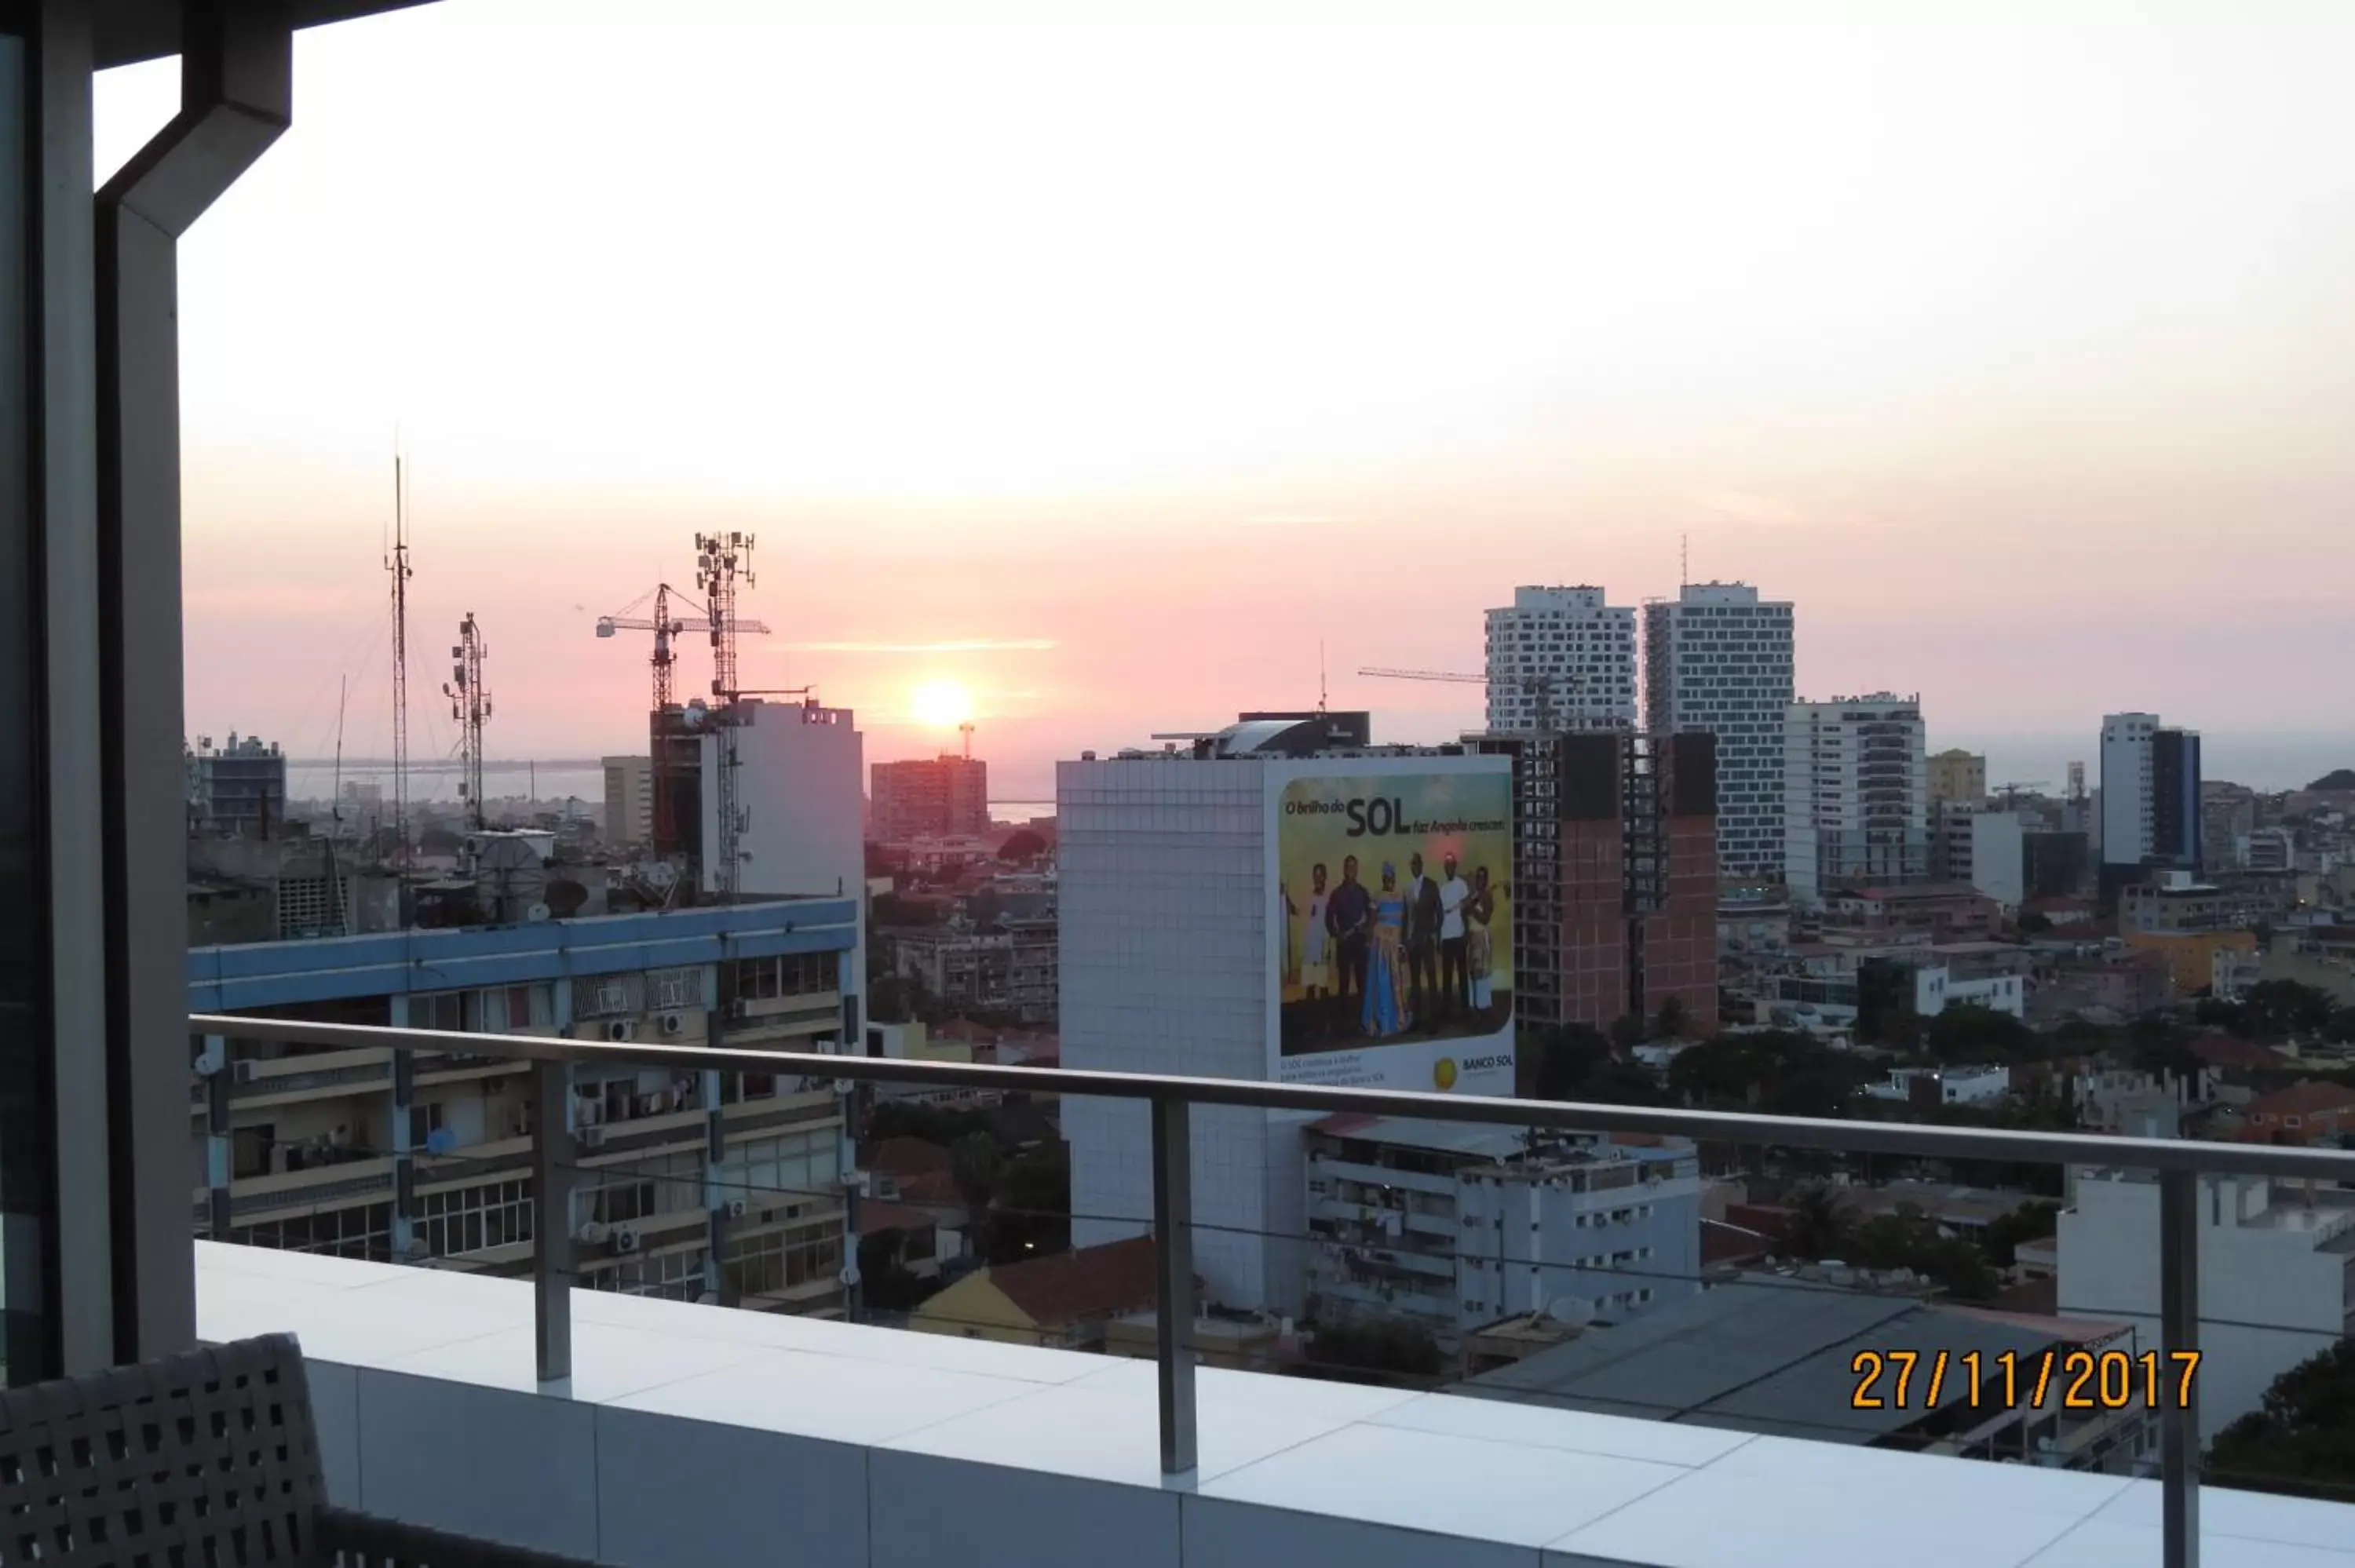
(939, 796)
(1240, 909)
(1614, 905)
(1718, 658)
(238, 789)
(1560, 658)
(1855, 795)
(1958, 775)
(2150, 799)
(629, 800)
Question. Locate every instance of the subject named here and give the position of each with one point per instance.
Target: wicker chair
(203, 1460)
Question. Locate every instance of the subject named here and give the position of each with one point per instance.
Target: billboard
(1392, 947)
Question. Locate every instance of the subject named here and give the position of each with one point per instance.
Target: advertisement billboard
(1394, 928)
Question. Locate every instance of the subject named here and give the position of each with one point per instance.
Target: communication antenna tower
(470, 708)
(396, 563)
(719, 559)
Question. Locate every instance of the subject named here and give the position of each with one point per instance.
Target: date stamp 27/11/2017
(2072, 1379)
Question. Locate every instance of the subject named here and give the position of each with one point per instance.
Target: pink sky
(2019, 356)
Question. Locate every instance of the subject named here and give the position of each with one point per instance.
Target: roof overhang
(129, 31)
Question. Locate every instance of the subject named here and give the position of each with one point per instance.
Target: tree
(1627, 1032)
(1911, 1239)
(2034, 923)
(1562, 1057)
(976, 1166)
(1820, 1224)
(1668, 1023)
(438, 840)
(886, 1285)
(1030, 1215)
(1970, 1031)
(1020, 845)
(1884, 1002)
(2000, 1237)
(2160, 1048)
(2279, 1009)
(2337, 778)
(1390, 1352)
(2301, 1438)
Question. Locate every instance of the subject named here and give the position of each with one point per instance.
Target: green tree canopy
(2301, 1439)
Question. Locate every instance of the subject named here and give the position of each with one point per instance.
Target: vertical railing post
(2179, 1331)
(552, 1265)
(1173, 1260)
(220, 1138)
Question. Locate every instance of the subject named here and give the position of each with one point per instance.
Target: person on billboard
(1455, 977)
(1348, 915)
(1421, 939)
(1315, 973)
(1479, 947)
(1385, 1013)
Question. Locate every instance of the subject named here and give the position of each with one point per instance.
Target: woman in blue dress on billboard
(1385, 1010)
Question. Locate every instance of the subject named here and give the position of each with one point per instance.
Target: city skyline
(2027, 398)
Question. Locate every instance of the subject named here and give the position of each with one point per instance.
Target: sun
(942, 705)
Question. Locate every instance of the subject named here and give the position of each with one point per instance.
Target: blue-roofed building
(426, 1157)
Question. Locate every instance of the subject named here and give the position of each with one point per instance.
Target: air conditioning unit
(673, 1022)
(849, 1275)
(739, 1009)
(621, 1028)
(858, 1181)
(626, 1240)
(737, 1208)
(243, 1072)
(590, 1233)
(417, 1251)
(591, 1137)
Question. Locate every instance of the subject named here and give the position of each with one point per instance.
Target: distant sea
(552, 781)
(2268, 762)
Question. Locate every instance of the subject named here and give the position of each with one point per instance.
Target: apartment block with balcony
(361, 1153)
(1855, 796)
(1453, 1227)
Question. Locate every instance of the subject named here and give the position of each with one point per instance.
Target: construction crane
(664, 623)
(470, 708)
(719, 559)
(669, 620)
(1539, 687)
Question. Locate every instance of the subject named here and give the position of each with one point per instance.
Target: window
(607, 996)
(496, 1213)
(513, 1007)
(672, 1277)
(782, 1260)
(446, 1011)
(363, 1231)
(424, 1121)
(792, 974)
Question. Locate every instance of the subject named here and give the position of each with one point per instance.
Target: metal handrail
(2180, 1164)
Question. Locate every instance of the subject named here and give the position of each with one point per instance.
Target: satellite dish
(566, 896)
(662, 874)
(536, 912)
(1571, 1311)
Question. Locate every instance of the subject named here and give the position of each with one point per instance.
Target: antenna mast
(396, 563)
(470, 707)
(719, 559)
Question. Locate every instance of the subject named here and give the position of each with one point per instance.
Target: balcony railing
(2178, 1166)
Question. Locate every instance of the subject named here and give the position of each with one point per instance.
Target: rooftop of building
(1081, 1286)
(1496, 1145)
(2307, 1096)
(1916, 893)
(1762, 1353)
(887, 1448)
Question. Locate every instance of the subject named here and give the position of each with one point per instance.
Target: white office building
(1856, 795)
(800, 801)
(1560, 658)
(2276, 1275)
(1178, 955)
(1717, 658)
(1453, 1227)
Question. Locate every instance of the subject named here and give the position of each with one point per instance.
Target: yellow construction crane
(1539, 687)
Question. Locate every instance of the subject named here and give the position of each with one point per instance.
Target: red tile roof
(2224, 1051)
(2307, 1096)
(1076, 1287)
(878, 1215)
(905, 1157)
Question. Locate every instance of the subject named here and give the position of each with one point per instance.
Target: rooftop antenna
(720, 559)
(1684, 561)
(965, 729)
(396, 563)
(470, 707)
(1321, 689)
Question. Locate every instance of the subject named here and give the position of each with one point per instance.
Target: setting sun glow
(943, 705)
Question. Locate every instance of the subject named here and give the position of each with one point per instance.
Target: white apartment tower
(1560, 658)
(1855, 793)
(2151, 797)
(1716, 658)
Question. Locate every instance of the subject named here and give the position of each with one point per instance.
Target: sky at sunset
(1109, 371)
